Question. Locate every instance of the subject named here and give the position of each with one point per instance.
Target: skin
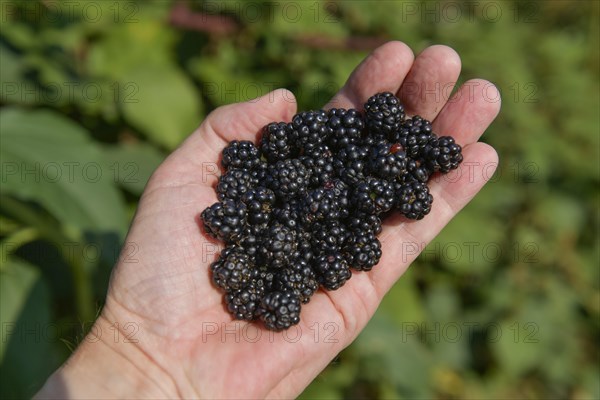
(187, 345)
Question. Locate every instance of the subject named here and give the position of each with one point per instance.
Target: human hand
(187, 343)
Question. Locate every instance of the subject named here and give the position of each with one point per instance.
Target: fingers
(382, 71)
(472, 108)
(430, 81)
(403, 241)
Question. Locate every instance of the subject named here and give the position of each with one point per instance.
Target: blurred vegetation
(94, 94)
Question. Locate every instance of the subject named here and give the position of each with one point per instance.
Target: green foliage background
(504, 303)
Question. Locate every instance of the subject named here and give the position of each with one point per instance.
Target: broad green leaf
(27, 354)
(48, 159)
(132, 164)
(166, 107)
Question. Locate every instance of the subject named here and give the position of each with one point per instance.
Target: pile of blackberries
(304, 208)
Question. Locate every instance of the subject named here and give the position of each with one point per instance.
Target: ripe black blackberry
(413, 199)
(240, 154)
(309, 130)
(363, 250)
(326, 203)
(275, 142)
(345, 127)
(279, 310)
(233, 270)
(442, 154)
(279, 246)
(297, 278)
(328, 236)
(373, 196)
(234, 184)
(416, 170)
(243, 303)
(349, 163)
(332, 270)
(288, 178)
(225, 220)
(387, 161)
(289, 214)
(320, 163)
(259, 203)
(414, 134)
(251, 240)
(383, 113)
(364, 222)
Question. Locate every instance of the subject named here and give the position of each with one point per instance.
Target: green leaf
(132, 164)
(27, 356)
(166, 107)
(48, 159)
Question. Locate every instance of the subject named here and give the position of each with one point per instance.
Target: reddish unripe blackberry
(240, 154)
(225, 220)
(279, 310)
(383, 113)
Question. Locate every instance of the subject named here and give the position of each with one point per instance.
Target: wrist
(109, 363)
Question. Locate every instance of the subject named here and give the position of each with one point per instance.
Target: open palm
(162, 286)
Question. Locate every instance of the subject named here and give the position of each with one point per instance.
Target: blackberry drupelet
(225, 220)
(240, 154)
(309, 130)
(279, 310)
(233, 270)
(442, 154)
(416, 171)
(383, 113)
(288, 178)
(332, 270)
(234, 184)
(298, 278)
(275, 142)
(413, 199)
(363, 250)
(345, 127)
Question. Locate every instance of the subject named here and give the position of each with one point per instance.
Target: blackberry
(387, 161)
(416, 171)
(363, 250)
(373, 196)
(326, 203)
(364, 222)
(384, 113)
(243, 303)
(413, 199)
(297, 278)
(279, 245)
(234, 184)
(233, 270)
(259, 203)
(287, 178)
(279, 310)
(414, 134)
(240, 154)
(349, 163)
(442, 154)
(275, 142)
(251, 240)
(320, 163)
(329, 236)
(289, 214)
(345, 127)
(309, 130)
(225, 220)
(332, 270)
